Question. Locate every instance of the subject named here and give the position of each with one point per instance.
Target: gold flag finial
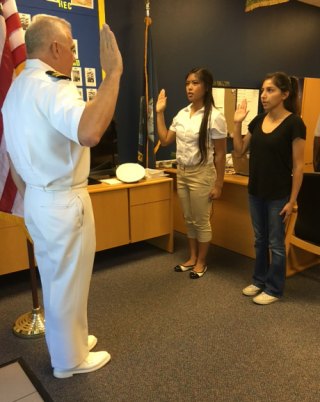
(147, 8)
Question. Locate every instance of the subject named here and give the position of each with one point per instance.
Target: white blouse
(187, 129)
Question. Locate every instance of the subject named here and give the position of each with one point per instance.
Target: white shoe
(92, 362)
(264, 298)
(197, 275)
(251, 290)
(92, 341)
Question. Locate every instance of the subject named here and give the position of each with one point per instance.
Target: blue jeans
(269, 229)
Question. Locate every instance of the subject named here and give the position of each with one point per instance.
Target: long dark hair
(204, 76)
(287, 84)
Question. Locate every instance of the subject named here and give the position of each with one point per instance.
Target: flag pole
(148, 21)
(32, 324)
(148, 18)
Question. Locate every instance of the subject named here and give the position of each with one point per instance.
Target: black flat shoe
(183, 268)
(197, 275)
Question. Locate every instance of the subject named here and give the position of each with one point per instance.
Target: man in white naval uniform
(48, 131)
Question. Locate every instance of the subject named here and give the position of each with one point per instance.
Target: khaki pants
(194, 184)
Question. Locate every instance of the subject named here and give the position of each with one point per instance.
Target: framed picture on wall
(91, 93)
(76, 53)
(76, 76)
(25, 20)
(90, 74)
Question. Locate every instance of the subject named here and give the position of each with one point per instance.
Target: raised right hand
(110, 56)
(161, 102)
(241, 112)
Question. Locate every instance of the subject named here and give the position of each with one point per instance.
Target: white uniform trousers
(61, 224)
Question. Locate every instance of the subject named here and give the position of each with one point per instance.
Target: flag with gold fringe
(148, 141)
(252, 4)
(12, 60)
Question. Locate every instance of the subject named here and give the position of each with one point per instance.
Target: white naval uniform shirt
(187, 130)
(41, 117)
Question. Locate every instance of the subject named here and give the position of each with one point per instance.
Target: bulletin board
(227, 99)
(86, 17)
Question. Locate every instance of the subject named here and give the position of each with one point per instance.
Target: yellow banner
(252, 4)
(67, 4)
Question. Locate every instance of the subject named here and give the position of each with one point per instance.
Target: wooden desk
(128, 213)
(231, 223)
(124, 213)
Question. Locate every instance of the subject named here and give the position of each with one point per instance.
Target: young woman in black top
(276, 140)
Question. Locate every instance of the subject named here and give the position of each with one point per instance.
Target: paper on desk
(111, 181)
(152, 173)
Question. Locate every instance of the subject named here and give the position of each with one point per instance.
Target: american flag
(12, 58)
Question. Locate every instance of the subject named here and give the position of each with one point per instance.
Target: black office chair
(305, 224)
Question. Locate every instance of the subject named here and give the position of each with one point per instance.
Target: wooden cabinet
(231, 222)
(310, 110)
(13, 248)
(124, 213)
(128, 213)
(150, 211)
(111, 215)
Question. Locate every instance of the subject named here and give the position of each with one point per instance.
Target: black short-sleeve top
(270, 164)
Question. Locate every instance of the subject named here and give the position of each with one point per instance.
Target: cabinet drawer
(111, 216)
(145, 194)
(150, 220)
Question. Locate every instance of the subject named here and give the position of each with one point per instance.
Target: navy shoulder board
(58, 75)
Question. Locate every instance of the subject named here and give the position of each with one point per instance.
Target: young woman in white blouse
(200, 133)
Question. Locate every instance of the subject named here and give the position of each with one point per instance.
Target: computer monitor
(104, 156)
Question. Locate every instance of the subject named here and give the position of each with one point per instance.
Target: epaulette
(58, 75)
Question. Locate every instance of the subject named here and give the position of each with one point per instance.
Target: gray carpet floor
(174, 339)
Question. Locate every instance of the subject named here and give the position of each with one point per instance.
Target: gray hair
(43, 30)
